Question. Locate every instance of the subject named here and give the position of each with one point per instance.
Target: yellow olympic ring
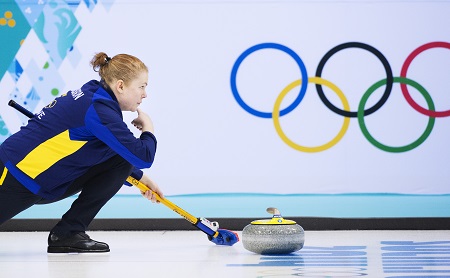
(276, 115)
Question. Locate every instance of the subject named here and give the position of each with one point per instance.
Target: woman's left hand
(154, 187)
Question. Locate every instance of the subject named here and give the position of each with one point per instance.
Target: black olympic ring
(387, 68)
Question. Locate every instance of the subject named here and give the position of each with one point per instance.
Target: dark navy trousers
(96, 187)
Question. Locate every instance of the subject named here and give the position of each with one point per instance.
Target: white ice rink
(190, 254)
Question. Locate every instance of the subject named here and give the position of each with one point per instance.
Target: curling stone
(273, 236)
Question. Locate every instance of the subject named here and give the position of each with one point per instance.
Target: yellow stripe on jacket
(48, 153)
(2, 178)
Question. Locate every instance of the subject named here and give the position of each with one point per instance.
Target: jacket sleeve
(104, 120)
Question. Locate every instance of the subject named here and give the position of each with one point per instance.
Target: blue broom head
(225, 237)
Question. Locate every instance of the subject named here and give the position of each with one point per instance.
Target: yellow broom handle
(189, 217)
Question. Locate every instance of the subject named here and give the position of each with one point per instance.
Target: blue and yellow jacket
(76, 131)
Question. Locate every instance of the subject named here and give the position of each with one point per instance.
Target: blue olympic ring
(257, 47)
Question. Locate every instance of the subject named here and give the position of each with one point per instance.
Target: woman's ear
(119, 86)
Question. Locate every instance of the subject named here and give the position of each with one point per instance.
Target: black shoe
(77, 243)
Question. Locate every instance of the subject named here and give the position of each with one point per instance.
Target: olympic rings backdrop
(361, 112)
(321, 108)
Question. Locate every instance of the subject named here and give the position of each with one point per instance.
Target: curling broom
(216, 235)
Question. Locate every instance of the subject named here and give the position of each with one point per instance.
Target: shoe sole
(63, 249)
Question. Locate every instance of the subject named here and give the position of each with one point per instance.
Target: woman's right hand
(143, 122)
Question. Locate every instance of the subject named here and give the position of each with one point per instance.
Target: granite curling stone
(273, 236)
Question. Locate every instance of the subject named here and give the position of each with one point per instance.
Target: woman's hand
(154, 187)
(143, 122)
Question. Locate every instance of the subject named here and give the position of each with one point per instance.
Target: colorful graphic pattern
(398, 259)
(37, 37)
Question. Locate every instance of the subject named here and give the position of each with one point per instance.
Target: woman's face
(131, 95)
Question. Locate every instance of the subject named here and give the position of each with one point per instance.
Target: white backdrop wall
(208, 143)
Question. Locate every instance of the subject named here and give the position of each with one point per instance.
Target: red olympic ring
(405, 91)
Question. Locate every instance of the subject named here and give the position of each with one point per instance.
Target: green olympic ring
(373, 141)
